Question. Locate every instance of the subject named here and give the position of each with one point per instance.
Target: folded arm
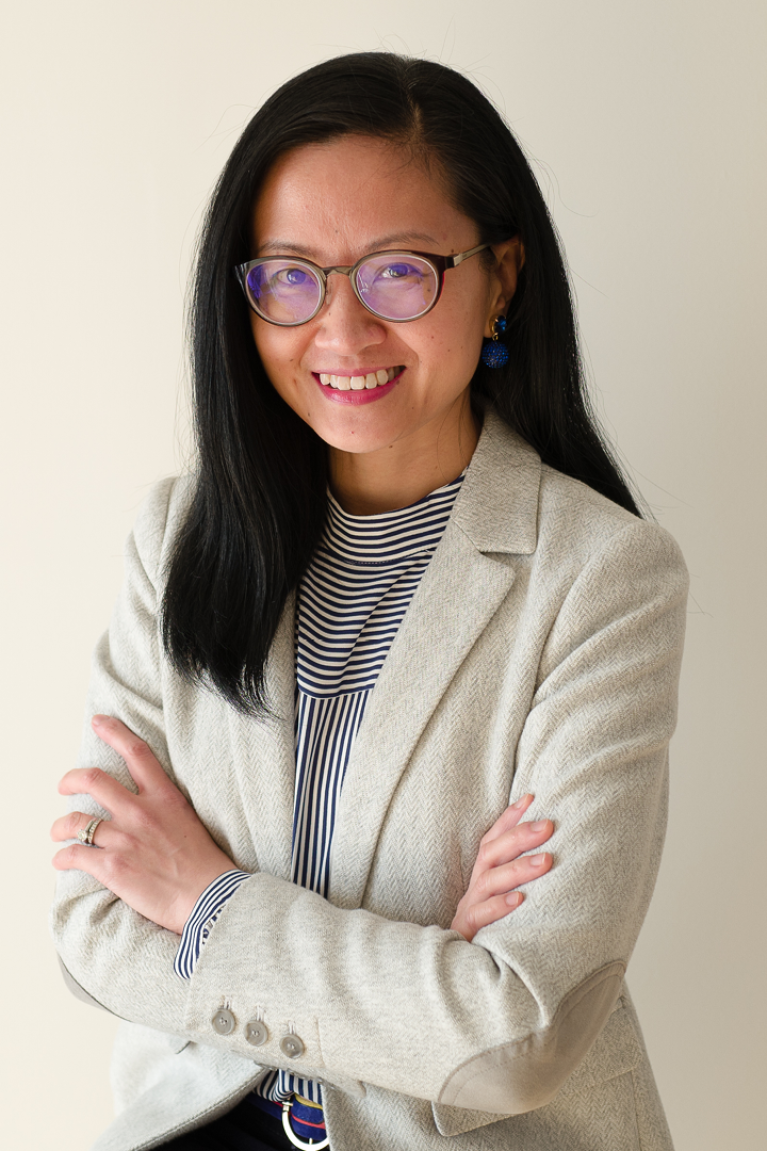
(499, 1024)
(496, 1024)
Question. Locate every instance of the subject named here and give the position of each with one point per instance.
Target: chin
(357, 444)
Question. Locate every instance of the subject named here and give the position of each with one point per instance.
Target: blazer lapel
(495, 515)
(266, 759)
(456, 598)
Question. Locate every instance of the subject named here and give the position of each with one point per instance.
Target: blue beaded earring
(494, 353)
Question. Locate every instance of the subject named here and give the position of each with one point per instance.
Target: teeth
(359, 383)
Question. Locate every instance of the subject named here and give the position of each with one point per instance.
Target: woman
(399, 487)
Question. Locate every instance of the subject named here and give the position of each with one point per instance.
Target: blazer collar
(497, 507)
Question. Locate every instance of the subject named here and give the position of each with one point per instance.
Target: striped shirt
(351, 602)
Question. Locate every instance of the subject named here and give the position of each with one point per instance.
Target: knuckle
(173, 798)
(482, 886)
(523, 837)
(68, 858)
(488, 836)
(92, 777)
(471, 921)
(113, 868)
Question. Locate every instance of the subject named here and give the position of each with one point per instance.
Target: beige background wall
(646, 125)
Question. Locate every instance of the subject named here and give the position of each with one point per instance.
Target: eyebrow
(395, 239)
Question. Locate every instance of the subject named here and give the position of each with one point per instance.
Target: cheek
(460, 336)
(276, 348)
(280, 350)
(465, 318)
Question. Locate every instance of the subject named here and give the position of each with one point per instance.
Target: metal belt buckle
(294, 1139)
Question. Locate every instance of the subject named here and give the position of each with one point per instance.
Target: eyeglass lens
(393, 286)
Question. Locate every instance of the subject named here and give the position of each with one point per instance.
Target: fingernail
(97, 720)
(514, 898)
(541, 825)
(537, 860)
(521, 802)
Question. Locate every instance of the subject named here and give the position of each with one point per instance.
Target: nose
(344, 325)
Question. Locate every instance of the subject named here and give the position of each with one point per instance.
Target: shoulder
(159, 520)
(513, 503)
(579, 525)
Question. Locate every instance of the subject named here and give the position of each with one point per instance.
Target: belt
(309, 1144)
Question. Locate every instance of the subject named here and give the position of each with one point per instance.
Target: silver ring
(307, 1145)
(86, 834)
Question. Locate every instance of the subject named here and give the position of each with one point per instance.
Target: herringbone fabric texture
(540, 653)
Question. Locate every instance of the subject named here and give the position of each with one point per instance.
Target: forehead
(337, 200)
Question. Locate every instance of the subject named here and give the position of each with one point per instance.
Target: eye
(294, 277)
(399, 271)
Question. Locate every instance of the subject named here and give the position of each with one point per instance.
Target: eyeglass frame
(440, 264)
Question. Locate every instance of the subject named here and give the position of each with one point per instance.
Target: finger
(501, 880)
(489, 911)
(108, 792)
(68, 826)
(143, 765)
(513, 843)
(508, 818)
(80, 858)
(496, 908)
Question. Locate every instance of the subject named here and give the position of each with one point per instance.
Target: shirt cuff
(200, 923)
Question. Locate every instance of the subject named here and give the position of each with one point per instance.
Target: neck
(369, 483)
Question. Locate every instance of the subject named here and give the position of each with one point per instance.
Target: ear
(509, 261)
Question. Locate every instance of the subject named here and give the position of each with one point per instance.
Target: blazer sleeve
(496, 1025)
(95, 933)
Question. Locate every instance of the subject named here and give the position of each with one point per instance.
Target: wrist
(195, 889)
(204, 915)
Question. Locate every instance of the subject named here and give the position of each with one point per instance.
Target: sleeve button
(223, 1022)
(292, 1046)
(256, 1032)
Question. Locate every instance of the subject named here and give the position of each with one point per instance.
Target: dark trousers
(246, 1128)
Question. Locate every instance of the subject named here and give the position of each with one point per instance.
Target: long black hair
(259, 502)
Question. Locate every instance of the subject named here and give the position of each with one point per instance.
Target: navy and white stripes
(200, 923)
(351, 603)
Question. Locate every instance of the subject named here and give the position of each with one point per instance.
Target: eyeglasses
(397, 286)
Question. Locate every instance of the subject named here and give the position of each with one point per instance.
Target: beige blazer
(540, 653)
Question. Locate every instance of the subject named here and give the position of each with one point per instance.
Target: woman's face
(333, 203)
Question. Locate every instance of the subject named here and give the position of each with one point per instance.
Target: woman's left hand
(154, 853)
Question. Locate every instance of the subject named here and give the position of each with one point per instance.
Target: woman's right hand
(501, 867)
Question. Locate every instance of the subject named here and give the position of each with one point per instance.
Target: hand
(499, 869)
(154, 853)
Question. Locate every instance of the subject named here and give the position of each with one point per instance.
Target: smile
(359, 383)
